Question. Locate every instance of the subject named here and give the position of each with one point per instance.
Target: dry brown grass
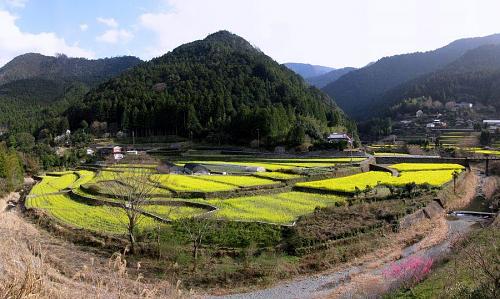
(35, 265)
(464, 193)
(491, 186)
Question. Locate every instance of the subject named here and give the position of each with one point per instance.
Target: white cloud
(16, 3)
(329, 32)
(14, 42)
(114, 36)
(84, 27)
(110, 22)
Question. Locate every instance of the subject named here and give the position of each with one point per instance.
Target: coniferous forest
(221, 89)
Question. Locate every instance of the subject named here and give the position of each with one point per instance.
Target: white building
(336, 137)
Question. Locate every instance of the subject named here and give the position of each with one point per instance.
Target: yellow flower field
(426, 166)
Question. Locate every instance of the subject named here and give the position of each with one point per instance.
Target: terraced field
(280, 208)
(277, 175)
(433, 174)
(93, 218)
(53, 184)
(184, 183)
(426, 166)
(237, 180)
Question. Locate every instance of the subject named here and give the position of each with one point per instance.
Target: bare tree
(132, 191)
(196, 230)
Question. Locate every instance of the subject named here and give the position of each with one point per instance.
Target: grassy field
(426, 166)
(280, 208)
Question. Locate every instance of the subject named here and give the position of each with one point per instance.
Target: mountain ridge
(358, 90)
(306, 70)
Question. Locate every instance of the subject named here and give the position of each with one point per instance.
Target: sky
(335, 33)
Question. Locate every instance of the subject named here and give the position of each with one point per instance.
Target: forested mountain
(61, 67)
(220, 88)
(474, 77)
(308, 70)
(332, 76)
(358, 90)
(35, 87)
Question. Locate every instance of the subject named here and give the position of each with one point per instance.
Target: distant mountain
(332, 76)
(90, 72)
(34, 86)
(220, 89)
(308, 70)
(358, 90)
(474, 77)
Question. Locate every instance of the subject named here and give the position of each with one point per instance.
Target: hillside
(220, 88)
(90, 72)
(474, 78)
(308, 70)
(34, 86)
(358, 90)
(332, 76)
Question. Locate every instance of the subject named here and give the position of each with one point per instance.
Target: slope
(332, 76)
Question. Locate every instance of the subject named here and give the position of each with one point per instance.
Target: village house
(337, 137)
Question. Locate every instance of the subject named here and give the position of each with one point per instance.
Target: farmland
(294, 208)
(280, 208)
(425, 166)
(430, 174)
